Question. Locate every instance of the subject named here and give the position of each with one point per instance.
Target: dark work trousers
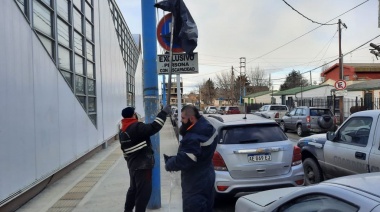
(139, 191)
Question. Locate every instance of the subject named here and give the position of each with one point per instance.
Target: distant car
(274, 112)
(210, 110)
(253, 154)
(174, 116)
(221, 110)
(345, 194)
(306, 120)
(231, 110)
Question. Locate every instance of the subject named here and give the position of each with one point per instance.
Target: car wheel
(282, 126)
(300, 131)
(313, 174)
(325, 121)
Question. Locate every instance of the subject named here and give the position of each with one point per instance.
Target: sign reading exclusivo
(181, 63)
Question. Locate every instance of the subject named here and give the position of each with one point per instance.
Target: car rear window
(278, 108)
(320, 112)
(260, 133)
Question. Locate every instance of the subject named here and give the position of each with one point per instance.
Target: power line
(342, 55)
(357, 48)
(305, 16)
(304, 33)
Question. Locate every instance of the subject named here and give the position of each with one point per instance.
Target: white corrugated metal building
(67, 69)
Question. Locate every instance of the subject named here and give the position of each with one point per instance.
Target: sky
(272, 36)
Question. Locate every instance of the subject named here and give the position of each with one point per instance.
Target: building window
(47, 42)
(79, 69)
(128, 50)
(64, 58)
(63, 33)
(90, 70)
(77, 20)
(22, 5)
(346, 77)
(63, 9)
(78, 43)
(42, 18)
(74, 56)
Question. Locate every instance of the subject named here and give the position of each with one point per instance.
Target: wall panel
(42, 125)
(46, 110)
(67, 122)
(17, 152)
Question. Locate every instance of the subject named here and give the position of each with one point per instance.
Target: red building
(352, 72)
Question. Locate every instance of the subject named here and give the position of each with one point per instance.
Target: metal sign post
(170, 61)
(179, 102)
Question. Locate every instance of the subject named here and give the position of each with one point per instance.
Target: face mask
(183, 128)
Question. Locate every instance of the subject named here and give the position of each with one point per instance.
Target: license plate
(259, 157)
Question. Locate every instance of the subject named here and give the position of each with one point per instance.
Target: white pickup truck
(274, 112)
(354, 148)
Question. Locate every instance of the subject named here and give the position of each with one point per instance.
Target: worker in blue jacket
(194, 160)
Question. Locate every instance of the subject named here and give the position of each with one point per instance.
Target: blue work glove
(166, 158)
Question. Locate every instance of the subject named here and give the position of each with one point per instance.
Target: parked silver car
(253, 154)
(345, 194)
(305, 120)
(210, 110)
(221, 110)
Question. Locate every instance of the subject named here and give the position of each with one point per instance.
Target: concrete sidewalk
(100, 183)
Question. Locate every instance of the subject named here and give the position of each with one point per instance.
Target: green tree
(294, 79)
(208, 91)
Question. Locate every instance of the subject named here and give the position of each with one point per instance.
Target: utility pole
(232, 83)
(340, 51)
(311, 80)
(341, 76)
(242, 73)
(200, 98)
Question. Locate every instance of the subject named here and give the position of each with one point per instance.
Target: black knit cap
(128, 112)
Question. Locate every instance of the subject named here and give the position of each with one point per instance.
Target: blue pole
(148, 12)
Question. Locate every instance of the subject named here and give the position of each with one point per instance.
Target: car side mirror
(330, 136)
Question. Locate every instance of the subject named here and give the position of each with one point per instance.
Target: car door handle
(360, 155)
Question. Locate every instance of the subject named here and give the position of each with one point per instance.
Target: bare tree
(258, 77)
(258, 80)
(192, 97)
(228, 88)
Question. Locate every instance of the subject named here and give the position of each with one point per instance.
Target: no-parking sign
(163, 34)
(340, 85)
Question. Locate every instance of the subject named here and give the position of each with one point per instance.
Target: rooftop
(365, 85)
(296, 90)
(262, 93)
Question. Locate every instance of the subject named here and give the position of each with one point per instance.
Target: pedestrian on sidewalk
(135, 143)
(194, 160)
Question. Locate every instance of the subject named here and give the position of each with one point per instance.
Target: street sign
(341, 93)
(340, 85)
(182, 63)
(163, 34)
